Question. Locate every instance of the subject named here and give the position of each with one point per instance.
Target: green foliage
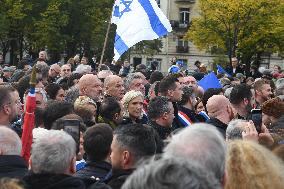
(68, 26)
(243, 28)
(148, 47)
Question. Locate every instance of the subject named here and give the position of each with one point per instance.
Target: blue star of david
(126, 3)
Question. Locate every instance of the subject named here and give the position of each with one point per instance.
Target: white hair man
(235, 129)
(11, 163)
(53, 162)
(171, 173)
(203, 144)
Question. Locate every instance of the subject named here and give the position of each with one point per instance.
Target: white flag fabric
(137, 20)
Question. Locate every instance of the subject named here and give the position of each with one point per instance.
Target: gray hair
(10, 143)
(83, 69)
(234, 129)
(53, 152)
(201, 143)
(279, 89)
(171, 173)
(228, 92)
(158, 106)
(72, 94)
(130, 77)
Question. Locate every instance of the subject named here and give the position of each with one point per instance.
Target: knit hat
(273, 107)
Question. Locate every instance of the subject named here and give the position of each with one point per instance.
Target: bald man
(12, 165)
(114, 86)
(91, 86)
(53, 73)
(220, 112)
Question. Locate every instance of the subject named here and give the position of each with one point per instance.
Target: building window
(184, 15)
(159, 3)
(182, 45)
(182, 42)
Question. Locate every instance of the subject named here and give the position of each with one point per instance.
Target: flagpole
(105, 42)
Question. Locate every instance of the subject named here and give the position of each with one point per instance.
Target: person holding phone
(74, 126)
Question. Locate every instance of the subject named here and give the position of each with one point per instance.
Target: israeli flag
(137, 20)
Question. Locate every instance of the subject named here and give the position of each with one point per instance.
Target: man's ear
(257, 92)
(6, 109)
(170, 93)
(125, 159)
(84, 90)
(72, 167)
(116, 116)
(30, 164)
(246, 101)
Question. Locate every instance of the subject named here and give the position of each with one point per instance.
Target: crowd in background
(141, 128)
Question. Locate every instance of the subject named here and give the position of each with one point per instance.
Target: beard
(248, 109)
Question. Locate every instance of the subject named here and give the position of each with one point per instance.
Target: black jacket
(195, 118)
(230, 70)
(118, 178)
(127, 120)
(12, 166)
(220, 126)
(97, 169)
(163, 132)
(52, 181)
(176, 123)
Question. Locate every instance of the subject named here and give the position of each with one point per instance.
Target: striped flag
(137, 20)
(184, 119)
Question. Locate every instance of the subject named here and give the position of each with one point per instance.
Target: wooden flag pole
(104, 48)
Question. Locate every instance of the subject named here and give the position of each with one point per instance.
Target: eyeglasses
(66, 70)
(55, 71)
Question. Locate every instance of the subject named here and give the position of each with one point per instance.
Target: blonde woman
(250, 165)
(133, 107)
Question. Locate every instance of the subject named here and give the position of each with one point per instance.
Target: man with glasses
(10, 104)
(53, 73)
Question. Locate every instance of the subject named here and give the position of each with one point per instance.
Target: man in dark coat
(97, 141)
(52, 163)
(161, 115)
(220, 112)
(234, 68)
(172, 89)
(130, 144)
(11, 163)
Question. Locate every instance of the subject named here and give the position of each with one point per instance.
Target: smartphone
(256, 117)
(72, 127)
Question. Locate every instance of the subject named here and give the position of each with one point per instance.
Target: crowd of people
(123, 128)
